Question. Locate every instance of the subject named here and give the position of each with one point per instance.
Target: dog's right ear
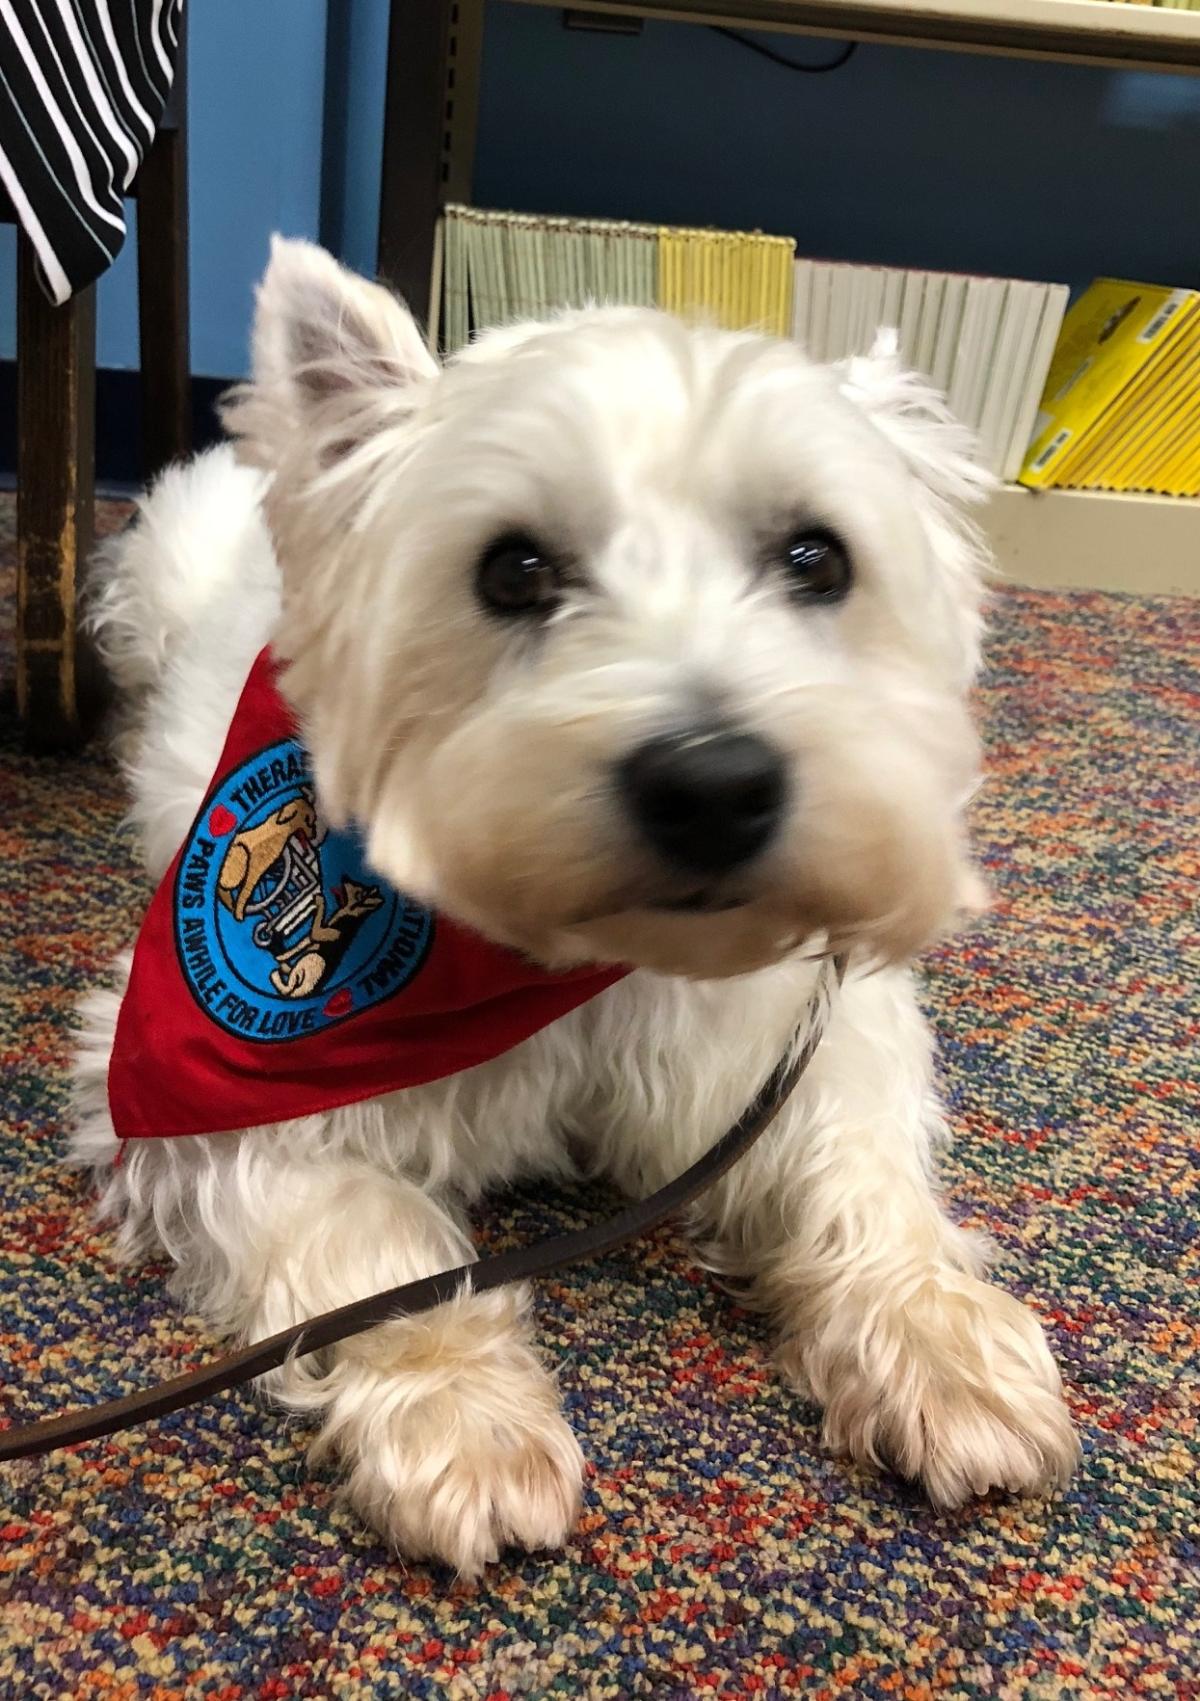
(337, 360)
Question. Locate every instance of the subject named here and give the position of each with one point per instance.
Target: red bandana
(276, 975)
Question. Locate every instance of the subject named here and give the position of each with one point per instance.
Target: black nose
(707, 800)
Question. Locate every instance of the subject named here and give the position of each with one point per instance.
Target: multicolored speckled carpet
(720, 1554)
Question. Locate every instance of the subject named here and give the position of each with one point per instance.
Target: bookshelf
(1095, 31)
(1096, 540)
(1064, 538)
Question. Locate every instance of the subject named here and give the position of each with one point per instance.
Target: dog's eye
(516, 576)
(818, 566)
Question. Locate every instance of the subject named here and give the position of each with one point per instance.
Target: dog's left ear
(941, 456)
(336, 359)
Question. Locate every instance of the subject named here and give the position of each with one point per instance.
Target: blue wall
(256, 93)
(903, 156)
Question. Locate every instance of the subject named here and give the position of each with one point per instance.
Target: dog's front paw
(454, 1465)
(952, 1384)
(477, 1488)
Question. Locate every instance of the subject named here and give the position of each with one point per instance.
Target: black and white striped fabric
(83, 85)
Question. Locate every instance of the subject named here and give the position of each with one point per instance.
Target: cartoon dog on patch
(256, 850)
(282, 853)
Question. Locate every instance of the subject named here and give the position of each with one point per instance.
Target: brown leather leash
(410, 1298)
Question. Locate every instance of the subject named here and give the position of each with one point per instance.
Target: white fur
(664, 462)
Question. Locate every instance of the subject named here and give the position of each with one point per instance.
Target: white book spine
(931, 310)
(998, 377)
(818, 323)
(952, 323)
(893, 297)
(911, 301)
(1039, 365)
(838, 338)
(801, 296)
(872, 312)
(992, 296)
(1018, 376)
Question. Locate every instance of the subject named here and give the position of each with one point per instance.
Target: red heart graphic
(221, 821)
(339, 1002)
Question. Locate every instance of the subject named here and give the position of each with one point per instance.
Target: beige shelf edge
(1094, 540)
(1096, 31)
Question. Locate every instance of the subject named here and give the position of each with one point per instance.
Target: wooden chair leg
(163, 291)
(56, 407)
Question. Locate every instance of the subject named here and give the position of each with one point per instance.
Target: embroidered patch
(281, 928)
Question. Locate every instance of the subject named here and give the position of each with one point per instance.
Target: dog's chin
(699, 937)
(703, 901)
(712, 933)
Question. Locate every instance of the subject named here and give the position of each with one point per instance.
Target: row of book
(497, 266)
(985, 342)
(1121, 409)
(1106, 396)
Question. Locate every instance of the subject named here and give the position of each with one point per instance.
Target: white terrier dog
(620, 643)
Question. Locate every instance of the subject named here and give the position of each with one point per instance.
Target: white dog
(621, 643)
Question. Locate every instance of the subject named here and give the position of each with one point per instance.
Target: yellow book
(736, 280)
(741, 283)
(688, 289)
(1167, 392)
(1157, 474)
(1182, 475)
(668, 288)
(722, 244)
(1089, 454)
(785, 285)
(755, 255)
(783, 266)
(1148, 443)
(1184, 472)
(1102, 454)
(1120, 382)
(745, 312)
(1177, 474)
(1174, 428)
(1169, 474)
(687, 272)
(762, 285)
(1108, 337)
(700, 249)
(1146, 406)
(1190, 485)
(1136, 462)
(1173, 455)
(685, 260)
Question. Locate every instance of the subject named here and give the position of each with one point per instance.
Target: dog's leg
(448, 1428)
(884, 1317)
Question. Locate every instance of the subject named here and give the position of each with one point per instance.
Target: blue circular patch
(281, 927)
